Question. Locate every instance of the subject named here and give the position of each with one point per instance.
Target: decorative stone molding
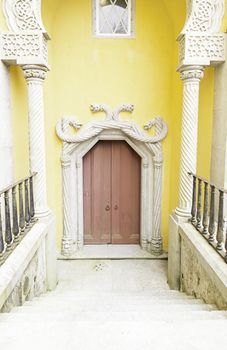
(26, 41)
(112, 115)
(191, 78)
(34, 73)
(204, 16)
(192, 74)
(24, 15)
(200, 42)
(23, 48)
(202, 49)
(94, 128)
(111, 128)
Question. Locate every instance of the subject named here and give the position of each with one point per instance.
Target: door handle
(107, 208)
(116, 207)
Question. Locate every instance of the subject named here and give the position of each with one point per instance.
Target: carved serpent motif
(112, 121)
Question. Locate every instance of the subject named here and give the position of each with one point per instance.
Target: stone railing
(17, 214)
(207, 216)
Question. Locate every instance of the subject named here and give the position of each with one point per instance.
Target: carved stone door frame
(147, 147)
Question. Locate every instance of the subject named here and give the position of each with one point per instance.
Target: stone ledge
(204, 271)
(112, 252)
(14, 267)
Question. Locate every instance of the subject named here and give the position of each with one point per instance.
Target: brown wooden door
(112, 194)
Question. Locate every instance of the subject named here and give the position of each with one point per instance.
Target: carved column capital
(35, 73)
(192, 73)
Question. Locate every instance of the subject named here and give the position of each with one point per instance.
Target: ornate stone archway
(112, 128)
(25, 44)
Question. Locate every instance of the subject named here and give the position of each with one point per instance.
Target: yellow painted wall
(87, 70)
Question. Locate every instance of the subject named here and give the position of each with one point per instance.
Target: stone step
(136, 296)
(81, 307)
(112, 316)
(156, 335)
(102, 302)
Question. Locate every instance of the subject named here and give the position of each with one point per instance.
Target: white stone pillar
(156, 240)
(67, 241)
(191, 76)
(35, 76)
(6, 142)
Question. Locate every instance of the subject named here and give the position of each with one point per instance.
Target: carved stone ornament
(24, 15)
(201, 49)
(26, 41)
(112, 121)
(23, 48)
(204, 16)
(192, 73)
(200, 42)
(34, 72)
(75, 146)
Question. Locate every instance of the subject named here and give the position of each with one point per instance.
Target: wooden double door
(111, 194)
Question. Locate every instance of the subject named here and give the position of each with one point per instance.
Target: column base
(67, 247)
(42, 213)
(184, 213)
(156, 246)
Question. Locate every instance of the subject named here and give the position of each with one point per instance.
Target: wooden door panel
(97, 194)
(126, 169)
(112, 194)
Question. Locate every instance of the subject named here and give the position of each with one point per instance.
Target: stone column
(191, 76)
(67, 242)
(156, 240)
(35, 76)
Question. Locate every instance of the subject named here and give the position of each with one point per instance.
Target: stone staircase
(113, 305)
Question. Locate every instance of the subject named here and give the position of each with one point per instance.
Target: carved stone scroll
(204, 16)
(24, 15)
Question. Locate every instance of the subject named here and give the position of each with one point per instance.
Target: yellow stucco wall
(87, 70)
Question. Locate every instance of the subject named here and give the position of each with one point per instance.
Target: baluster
(193, 212)
(220, 232)
(2, 246)
(21, 208)
(205, 209)
(15, 215)
(8, 231)
(212, 214)
(27, 213)
(32, 209)
(199, 206)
